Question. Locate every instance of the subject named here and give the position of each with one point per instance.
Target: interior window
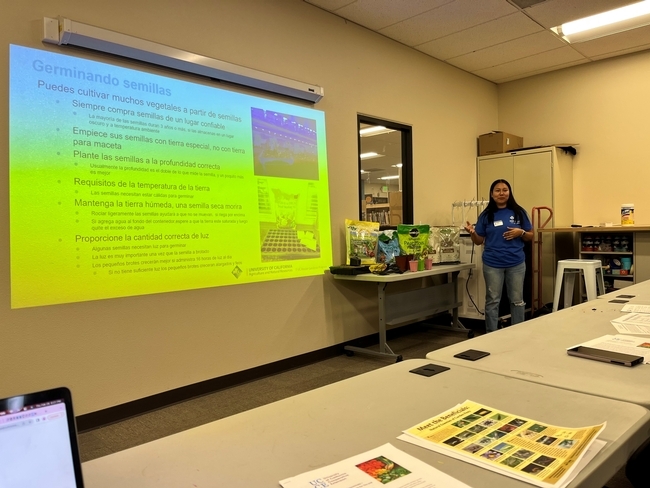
(385, 169)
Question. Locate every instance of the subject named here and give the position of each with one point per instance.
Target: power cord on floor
(471, 260)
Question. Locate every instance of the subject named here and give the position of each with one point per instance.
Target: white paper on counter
(633, 323)
(407, 471)
(636, 308)
(631, 328)
(634, 318)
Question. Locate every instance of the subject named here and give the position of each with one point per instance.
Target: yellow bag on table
(361, 240)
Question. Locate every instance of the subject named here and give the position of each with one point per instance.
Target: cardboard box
(618, 284)
(498, 142)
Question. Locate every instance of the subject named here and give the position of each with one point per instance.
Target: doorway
(385, 171)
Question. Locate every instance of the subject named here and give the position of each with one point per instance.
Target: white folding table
(535, 351)
(407, 304)
(259, 447)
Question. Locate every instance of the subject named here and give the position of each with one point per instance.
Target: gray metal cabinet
(541, 177)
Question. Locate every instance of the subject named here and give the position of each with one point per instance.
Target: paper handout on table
(536, 452)
(633, 323)
(636, 308)
(383, 465)
(635, 346)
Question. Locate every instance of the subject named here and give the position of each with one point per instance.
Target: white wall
(376, 188)
(603, 106)
(114, 351)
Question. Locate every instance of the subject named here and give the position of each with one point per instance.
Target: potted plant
(402, 261)
(414, 262)
(421, 257)
(428, 261)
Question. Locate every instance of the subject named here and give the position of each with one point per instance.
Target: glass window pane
(384, 167)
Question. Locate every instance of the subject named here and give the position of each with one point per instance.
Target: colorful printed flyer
(385, 464)
(539, 453)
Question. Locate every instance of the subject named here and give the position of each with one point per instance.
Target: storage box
(618, 284)
(498, 142)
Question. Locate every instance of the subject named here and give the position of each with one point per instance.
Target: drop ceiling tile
(539, 72)
(556, 12)
(377, 14)
(525, 3)
(622, 52)
(491, 38)
(508, 51)
(330, 5)
(537, 62)
(617, 42)
(481, 36)
(447, 19)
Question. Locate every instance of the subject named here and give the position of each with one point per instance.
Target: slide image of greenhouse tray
(288, 244)
(289, 214)
(284, 145)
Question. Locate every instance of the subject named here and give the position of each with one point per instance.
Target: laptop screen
(38, 445)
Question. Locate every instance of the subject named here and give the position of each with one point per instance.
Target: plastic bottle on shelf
(627, 214)
(607, 244)
(625, 244)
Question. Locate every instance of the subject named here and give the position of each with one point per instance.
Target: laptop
(38, 441)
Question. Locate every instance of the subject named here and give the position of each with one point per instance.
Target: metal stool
(567, 269)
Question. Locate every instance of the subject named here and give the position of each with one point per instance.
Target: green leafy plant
(429, 250)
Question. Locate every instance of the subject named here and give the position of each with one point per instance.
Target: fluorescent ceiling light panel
(370, 155)
(394, 177)
(606, 23)
(66, 31)
(398, 165)
(374, 131)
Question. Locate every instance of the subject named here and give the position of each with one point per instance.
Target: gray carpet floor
(208, 408)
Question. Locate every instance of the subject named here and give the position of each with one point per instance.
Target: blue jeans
(514, 278)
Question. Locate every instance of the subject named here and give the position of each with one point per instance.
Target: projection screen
(126, 183)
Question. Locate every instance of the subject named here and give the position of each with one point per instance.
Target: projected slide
(125, 183)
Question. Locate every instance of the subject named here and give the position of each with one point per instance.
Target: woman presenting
(503, 227)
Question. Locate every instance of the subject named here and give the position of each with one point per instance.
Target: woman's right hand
(469, 227)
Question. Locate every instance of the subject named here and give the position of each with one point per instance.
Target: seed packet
(361, 240)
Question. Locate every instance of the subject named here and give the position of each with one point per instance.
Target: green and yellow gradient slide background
(125, 183)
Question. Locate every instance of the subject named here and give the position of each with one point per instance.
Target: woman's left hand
(513, 233)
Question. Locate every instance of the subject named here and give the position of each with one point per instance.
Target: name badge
(498, 223)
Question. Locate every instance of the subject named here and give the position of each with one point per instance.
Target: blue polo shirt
(499, 252)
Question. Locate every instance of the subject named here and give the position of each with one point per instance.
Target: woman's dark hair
(511, 204)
